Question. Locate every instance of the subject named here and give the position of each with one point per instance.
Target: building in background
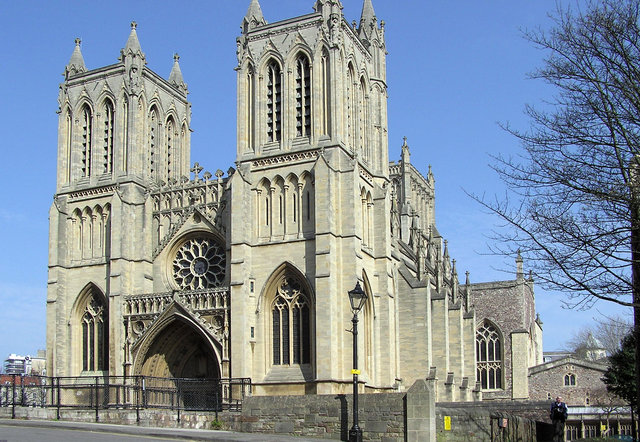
(25, 365)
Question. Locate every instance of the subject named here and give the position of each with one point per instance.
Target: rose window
(199, 264)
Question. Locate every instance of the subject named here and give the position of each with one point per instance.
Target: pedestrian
(558, 416)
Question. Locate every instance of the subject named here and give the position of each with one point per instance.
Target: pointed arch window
(171, 142)
(303, 97)
(94, 334)
(326, 91)
(274, 102)
(86, 141)
(108, 127)
(154, 129)
(351, 102)
(362, 120)
(67, 143)
(489, 356)
(291, 324)
(250, 116)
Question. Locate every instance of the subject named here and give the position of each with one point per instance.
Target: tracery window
(108, 122)
(274, 102)
(570, 380)
(291, 324)
(303, 97)
(86, 141)
(94, 334)
(489, 356)
(199, 263)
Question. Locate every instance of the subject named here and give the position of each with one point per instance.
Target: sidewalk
(167, 433)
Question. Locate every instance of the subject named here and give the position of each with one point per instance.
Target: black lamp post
(357, 298)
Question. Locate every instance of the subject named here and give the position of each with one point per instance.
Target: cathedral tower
(312, 160)
(123, 130)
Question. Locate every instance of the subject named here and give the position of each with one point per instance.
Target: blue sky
(455, 69)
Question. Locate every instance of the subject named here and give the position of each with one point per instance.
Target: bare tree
(608, 332)
(573, 201)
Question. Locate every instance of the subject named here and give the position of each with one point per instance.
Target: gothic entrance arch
(179, 350)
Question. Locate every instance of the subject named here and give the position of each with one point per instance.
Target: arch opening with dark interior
(180, 351)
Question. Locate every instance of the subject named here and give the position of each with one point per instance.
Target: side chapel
(158, 268)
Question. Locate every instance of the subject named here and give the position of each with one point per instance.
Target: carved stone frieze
(285, 159)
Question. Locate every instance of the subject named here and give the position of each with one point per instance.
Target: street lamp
(357, 298)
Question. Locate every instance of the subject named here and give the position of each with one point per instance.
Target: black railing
(118, 392)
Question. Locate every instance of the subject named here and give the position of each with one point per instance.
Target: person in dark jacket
(558, 416)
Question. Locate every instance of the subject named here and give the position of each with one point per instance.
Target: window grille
(274, 102)
(303, 97)
(86, 141)
(107, 155)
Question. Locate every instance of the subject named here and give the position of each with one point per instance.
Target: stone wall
(482, 421)
(323, 416)
(382, 418)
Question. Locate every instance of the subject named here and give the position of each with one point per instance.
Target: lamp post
(357, 298)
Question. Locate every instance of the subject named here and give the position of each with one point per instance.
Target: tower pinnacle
(76, 63)
(254, 17)
(175, 77)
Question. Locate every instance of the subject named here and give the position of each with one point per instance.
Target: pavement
(157, 432)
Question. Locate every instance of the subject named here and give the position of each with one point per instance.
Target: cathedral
(160, 268)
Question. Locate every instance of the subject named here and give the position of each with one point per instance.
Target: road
(59, 431)
(30, 434)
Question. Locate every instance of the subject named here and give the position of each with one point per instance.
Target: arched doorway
(180, 351)
(180, 363)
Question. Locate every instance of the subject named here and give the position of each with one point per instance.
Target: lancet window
(489, 356)
(86, 141)
(274, 102)
(291, 324)
(171, 142)
(107, 139)
(250, 116)
(154, 132)
(351, 103)
(303, 97)
(326, 92)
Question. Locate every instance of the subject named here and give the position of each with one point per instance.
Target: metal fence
(118, 392)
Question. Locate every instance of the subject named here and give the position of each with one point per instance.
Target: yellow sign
(603, 428)
(447, 423)
(355, 371)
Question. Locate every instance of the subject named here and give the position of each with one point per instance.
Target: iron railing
(123, 392)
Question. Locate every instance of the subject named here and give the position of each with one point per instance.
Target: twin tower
(159, 268)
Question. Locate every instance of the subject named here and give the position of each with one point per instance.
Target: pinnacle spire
(175, 77)
(254, 17)
(132, 42)
(368, 22)
(368, 14)
(76, 63)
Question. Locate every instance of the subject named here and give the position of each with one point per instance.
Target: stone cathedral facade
(160, 268)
